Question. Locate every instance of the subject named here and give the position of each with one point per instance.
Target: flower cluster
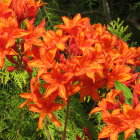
(76, 57)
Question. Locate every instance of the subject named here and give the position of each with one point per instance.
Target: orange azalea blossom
(71, 88)
(5, 11)
(132, 118)
(115, 124)
(100, 31)
(120, 73)
(71, 25)
(33, 95)
(34, 34)
(84, 65)
(138, 57)
(41, 105)
(57, 80)
(136, 87)
(127, 55)
(78, 57)
(42, 58)
(9, 31)
(25, 8)
(108, 102)
(55, 39)
(107, 41)
(45, 106)
(89, 88)
(136, 92)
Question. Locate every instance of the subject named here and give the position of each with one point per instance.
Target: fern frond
(20, 78)
(116, 27)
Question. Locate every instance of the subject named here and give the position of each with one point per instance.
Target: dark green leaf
(126, 91)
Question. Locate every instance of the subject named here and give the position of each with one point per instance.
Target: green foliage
(16, 123)
(49, 12)
(132, 137)
(77, 120)
(19, 78)
(4, 76)
(116, 27)
(126, 91)
(135, 6)
(91, 3)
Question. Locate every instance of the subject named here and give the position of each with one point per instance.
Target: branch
(73, 13)
(66, 119)
(47, 130)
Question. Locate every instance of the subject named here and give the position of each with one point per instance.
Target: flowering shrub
(76, 57)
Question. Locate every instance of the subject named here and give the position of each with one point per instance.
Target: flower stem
(47, 130)
(66, 119)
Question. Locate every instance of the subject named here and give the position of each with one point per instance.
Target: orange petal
(105, 132)
(123, 77)
(66, 21)
(25, 103)
(1, 61)
(40, 121)
(114, 135)
(26, 95)
(40, 72)
(50, 89)
(129, 132)
(35, 63)
(95, 95)
(76, 18)
(34, 108)
(54, 120)
(10, 43)
(60, 46)
(57, 106)
(62, 91)
(91, 75)
(126, 109)
(94, 110)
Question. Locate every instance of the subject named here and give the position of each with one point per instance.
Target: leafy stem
(47, 130)
(66, 119)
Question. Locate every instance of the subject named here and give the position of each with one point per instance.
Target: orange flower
(55, 39)
(136, 87)
(25, 8)
(85, 65)
(71, 25)
(9, 31)
(108, 102)
(127, 55)
(41, 105)
(132, 118)
(46, 107)
(33, 95)
(115, 124)
(138, 57)
(42, 58)
(34, 34)
(5, 11)
(89, 88)
(57, 80)
(120, 73)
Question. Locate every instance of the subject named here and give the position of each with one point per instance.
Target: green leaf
(126, 91)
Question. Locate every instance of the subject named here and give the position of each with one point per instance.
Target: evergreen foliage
(116, 27)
